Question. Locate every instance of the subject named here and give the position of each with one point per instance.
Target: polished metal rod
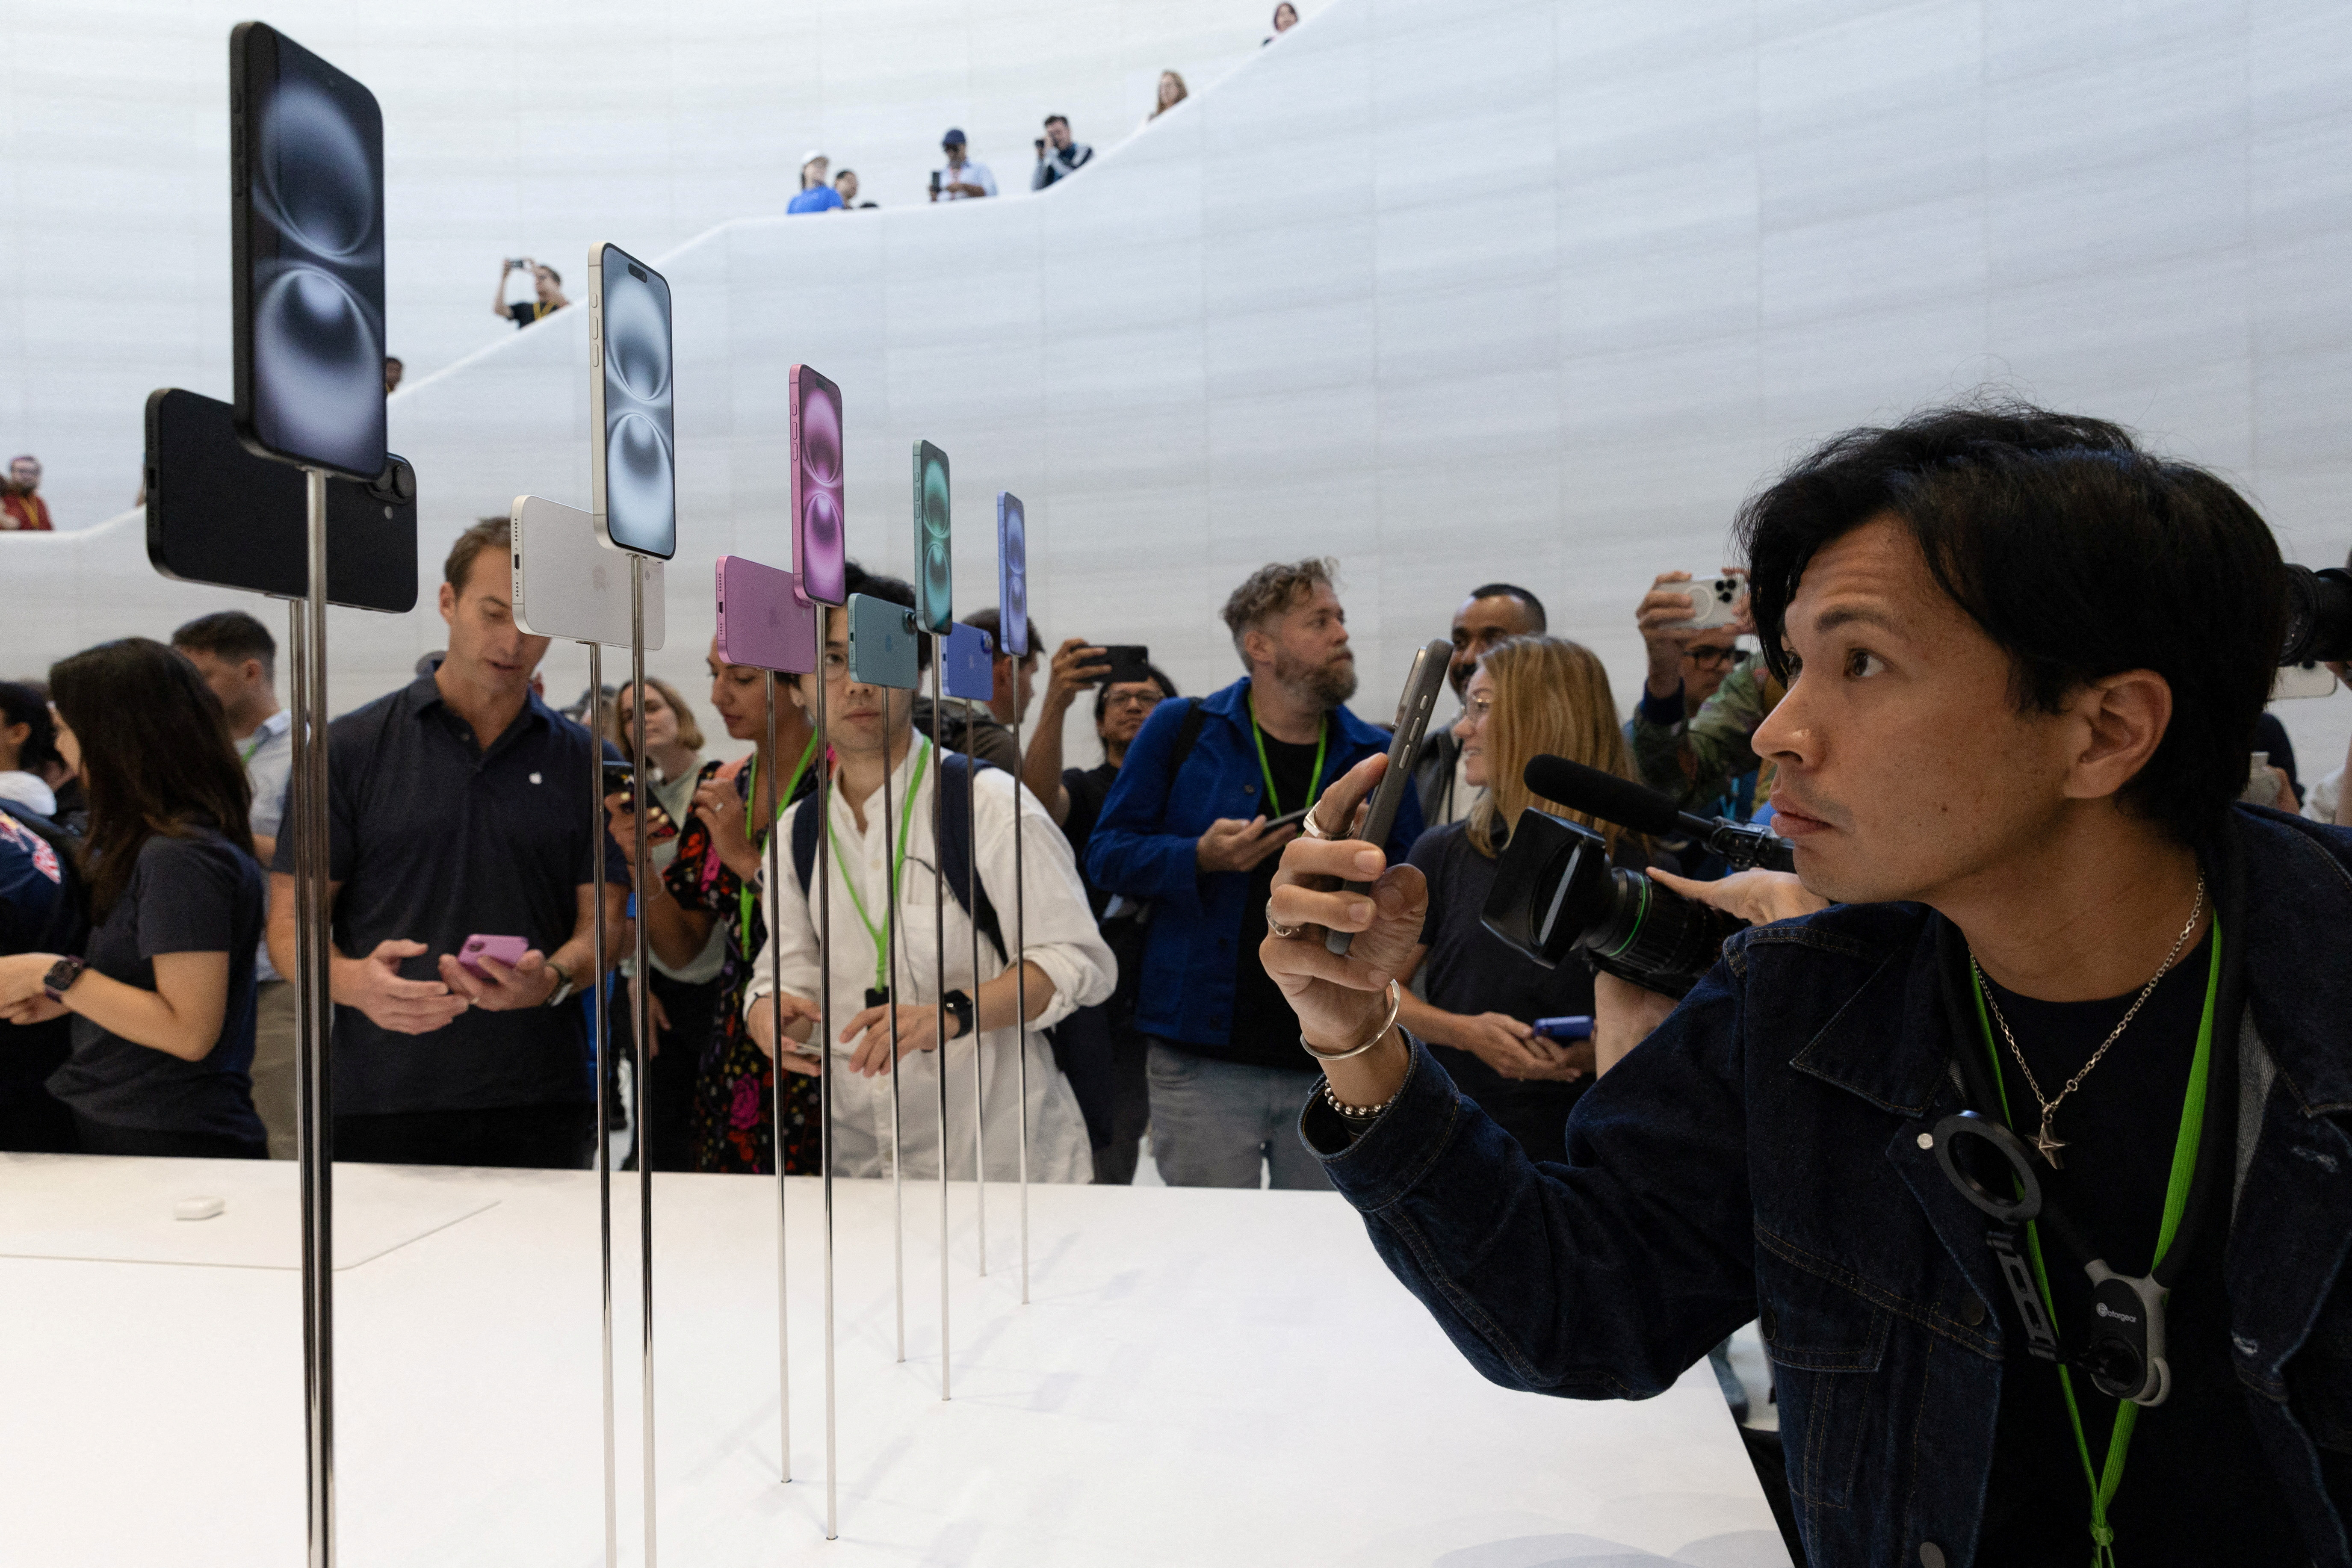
(641, 877)
(602, 1016)
(772, 813)
(825, 1060)
(1021, 995)
(979, 1039)
(313, 1047)
(940, 990)
(890, 997)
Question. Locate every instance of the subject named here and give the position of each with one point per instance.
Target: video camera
(1556, 892)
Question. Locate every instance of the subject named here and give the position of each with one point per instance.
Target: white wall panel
(1519, 289)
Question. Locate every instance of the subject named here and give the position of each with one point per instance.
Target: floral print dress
(734, 1129)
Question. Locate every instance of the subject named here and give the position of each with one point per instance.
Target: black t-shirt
(529, 310)
(194, 894)
(435, 839)
(1265, 1031)
(1088, 789)
(2196, 1489)
(1470, 970)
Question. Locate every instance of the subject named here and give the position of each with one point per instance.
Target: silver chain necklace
(2045, 1141)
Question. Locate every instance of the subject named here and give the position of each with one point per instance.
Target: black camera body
(1556, 894)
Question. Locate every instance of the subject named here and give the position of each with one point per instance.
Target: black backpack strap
(1187, 732)
(804, 834)
(956, 770)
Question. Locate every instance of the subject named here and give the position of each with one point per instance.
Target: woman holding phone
(1480, 997)
(683, 1006)
(162, 993)
(710, 887)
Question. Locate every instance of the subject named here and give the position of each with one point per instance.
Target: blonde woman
(1479, 996)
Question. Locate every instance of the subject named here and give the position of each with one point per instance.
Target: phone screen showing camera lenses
(310, 218)
(640, 474)
(934, 584)
(817, 496)
(1013, 573)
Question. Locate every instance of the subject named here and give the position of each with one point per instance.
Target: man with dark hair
(990, 736)
(238, 659)
(1493, 612)
(28, 748)
(2024, 660)
(547, 288)
(22, 510)
(1103, 1050)
(393, 370)
(1205, 798)
(1059, 157)
(452, 812)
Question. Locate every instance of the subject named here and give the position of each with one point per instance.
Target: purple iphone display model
(506, 950)
(762, 622)
(968, 663)
(1012, 572)
(819, 511)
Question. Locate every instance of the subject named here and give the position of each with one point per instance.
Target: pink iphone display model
(819, 510)
(762, 622)
(506, 950)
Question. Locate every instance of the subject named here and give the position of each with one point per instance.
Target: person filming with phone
(1702, 699)
(1193, 826)
(2132, 1242)
(452, 814)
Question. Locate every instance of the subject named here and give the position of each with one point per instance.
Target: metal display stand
(641, 1014)
(825, 1056)
(939, 987)
(890, 998)
(979, 1037)
(774, 815)
(313, 963)
(1021, 988)
(605, 1078)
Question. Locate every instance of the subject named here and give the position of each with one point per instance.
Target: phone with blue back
(881, 643)
(968, 663)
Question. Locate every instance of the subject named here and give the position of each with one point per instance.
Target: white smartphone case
(570, 584)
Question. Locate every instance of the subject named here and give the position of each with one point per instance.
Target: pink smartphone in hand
(506, 950)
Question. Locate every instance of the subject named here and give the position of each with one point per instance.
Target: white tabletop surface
(1218, 1378)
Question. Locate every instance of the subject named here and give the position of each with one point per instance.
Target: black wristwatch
(958, 1007)
(61, 976)
(562, 992)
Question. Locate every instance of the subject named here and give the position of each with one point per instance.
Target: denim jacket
(1143, 846)
(1760, 1154)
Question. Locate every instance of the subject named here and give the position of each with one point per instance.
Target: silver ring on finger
(1312, 828)
(1276, 929)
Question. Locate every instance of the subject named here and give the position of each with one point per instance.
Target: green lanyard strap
(856, 899)
(1314, 782)
(781, 803)
(2105, 1480)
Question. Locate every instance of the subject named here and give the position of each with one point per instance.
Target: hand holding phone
(1421, 688)
(506, 950)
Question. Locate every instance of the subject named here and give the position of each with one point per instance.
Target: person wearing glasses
(1703, 699)
(1111, 1082)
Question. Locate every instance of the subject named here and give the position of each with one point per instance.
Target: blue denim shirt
(1143, 848)
(1760, 1154)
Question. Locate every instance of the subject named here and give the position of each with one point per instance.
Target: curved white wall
(1460, 290)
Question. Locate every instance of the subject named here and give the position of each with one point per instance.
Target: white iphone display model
(631, 443)
(570, 584)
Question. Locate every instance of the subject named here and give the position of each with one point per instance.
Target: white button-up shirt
(1059, 937)
(268, 755)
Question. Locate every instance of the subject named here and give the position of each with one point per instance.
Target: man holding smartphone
(1189, 828)
(1059, 157)
(454, 811)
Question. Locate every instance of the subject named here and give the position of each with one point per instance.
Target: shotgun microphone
(1644, 810)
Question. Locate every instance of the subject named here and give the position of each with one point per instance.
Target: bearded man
(1193, 826)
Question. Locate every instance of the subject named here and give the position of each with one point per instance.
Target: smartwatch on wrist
(61, 977)
(958, 1007)
(562, 992)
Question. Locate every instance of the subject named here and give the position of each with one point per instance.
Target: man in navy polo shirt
(456, 809)
(1188, 827)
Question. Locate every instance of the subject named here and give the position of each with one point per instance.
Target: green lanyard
(244, 757)
(783, 802)
(2104, 1481)
(1314, 783)
(857, 900)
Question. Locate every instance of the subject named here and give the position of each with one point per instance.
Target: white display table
(1219, 1378)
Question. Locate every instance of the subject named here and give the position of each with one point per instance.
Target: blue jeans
(1213, 1123)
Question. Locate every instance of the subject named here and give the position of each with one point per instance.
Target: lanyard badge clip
(2123, 1352)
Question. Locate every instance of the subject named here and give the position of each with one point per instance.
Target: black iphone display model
(1129, 662)
(306, 184)
(1421, 686)
(217, 514)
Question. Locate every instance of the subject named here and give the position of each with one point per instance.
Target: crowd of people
(1143, 886)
